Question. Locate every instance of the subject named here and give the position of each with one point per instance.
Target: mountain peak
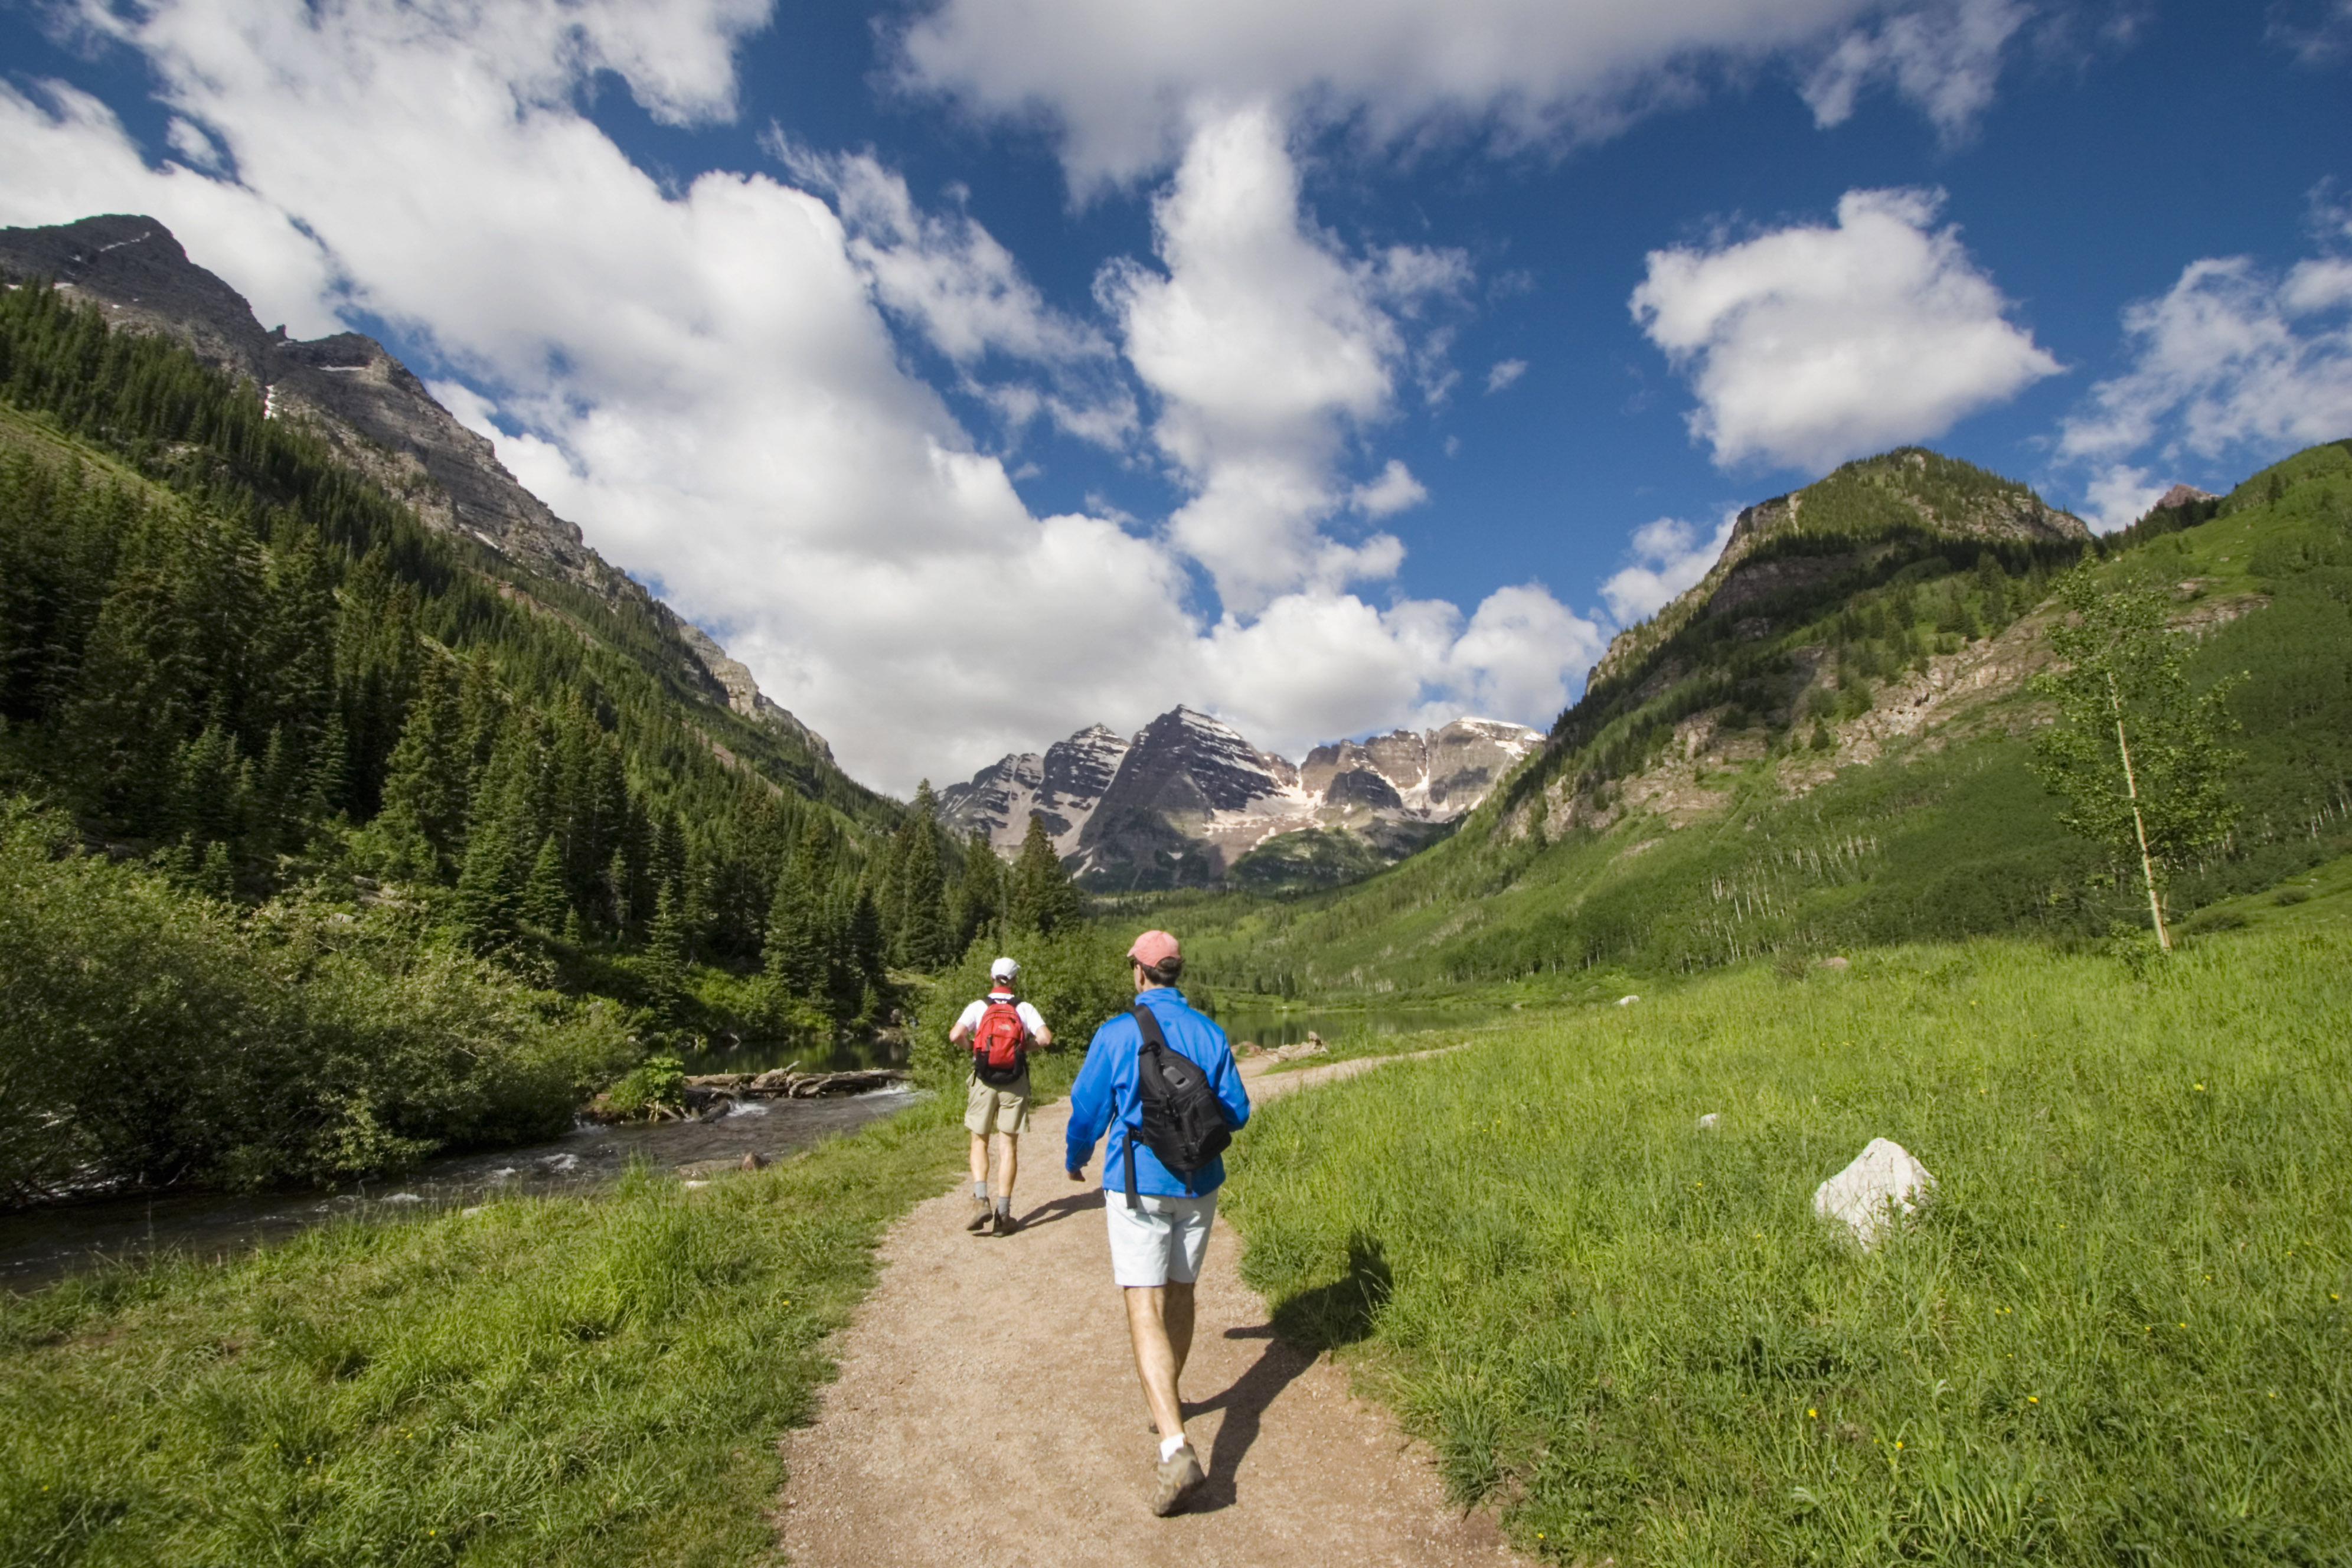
(374, 412)
(1817, 533)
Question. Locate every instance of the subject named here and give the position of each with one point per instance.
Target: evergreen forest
(234, 668)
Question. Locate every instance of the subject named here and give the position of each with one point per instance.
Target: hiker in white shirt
(996, 1097)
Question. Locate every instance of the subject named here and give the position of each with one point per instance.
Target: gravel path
(988, 1413)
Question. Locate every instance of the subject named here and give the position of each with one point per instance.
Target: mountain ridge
(377, 415)
(1187, 800)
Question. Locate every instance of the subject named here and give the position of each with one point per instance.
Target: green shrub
(151, 1037)
(658, 1080)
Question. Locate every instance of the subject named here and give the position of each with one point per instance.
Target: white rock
(691, 1186)
(1707, 1123)
(1833, 963)
(401, 1198)
(1627, 1001)
(468, 1213)
(1875, 1191)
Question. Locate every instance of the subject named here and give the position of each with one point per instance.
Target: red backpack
(1000, 1046)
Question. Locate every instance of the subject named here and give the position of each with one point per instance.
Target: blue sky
(982, 369)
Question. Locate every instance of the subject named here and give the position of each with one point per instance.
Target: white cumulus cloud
(1266, 346)
(1119, 82)
(1944, 56)
(1503, 373)
(1812, 344)
(2231, 361)
(1669, 556)
(705, 376)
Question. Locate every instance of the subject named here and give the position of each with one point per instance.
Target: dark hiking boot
(1179, 1474)
(980, 1215)
(1006, 1224)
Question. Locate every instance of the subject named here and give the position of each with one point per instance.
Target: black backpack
(1183, 1121)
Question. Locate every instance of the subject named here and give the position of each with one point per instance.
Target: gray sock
(980, 1191)
(1004, 1205)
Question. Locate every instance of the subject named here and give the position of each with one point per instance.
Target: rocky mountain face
(1890, 598)
(376, 416)
(1185, 800)
(1838, 527)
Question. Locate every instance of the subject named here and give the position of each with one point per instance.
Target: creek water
(38, 1247)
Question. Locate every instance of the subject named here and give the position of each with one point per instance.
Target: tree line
(225, 651)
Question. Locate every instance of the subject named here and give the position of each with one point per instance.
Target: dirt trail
(988, 1413)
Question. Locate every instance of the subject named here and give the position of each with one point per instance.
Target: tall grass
(591, 1381)
(2117, 1335)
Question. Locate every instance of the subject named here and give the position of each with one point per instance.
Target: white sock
(1168, 1447)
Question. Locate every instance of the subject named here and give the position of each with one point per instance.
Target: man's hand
(1077, 1173)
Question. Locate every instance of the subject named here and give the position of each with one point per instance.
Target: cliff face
(376, 416)
(1187, 798)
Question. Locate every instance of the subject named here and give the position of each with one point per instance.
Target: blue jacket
(1104, 1096)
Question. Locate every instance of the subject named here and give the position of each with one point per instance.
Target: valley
(362, 824)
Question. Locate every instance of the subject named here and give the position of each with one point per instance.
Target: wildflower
(2201, 1089)
(2033, 1399)
(1813, 1412)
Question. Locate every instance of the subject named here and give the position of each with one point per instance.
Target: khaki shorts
(1162, 1241)
(996, 1107)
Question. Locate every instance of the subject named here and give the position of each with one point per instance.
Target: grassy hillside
(2118, 1334)
(1859, 775)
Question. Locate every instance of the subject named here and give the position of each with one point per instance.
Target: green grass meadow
(550, 1381)
(2118, 1334)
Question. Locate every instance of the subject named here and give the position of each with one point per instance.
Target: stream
(41, 1245)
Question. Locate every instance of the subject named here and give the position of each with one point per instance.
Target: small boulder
(1883, 1186)
(1627, 1001)
(754, 1161)
(1833, 963)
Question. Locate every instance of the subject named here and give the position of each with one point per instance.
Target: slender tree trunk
(2131, 784)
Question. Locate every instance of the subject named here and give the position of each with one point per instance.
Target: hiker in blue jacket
(1158, 1220)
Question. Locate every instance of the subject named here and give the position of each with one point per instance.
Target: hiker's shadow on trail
(1062, 1208)
(1304, 1327)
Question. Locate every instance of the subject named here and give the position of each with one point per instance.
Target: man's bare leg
(1008, 1167)
(1159, 1322)
(980, 1209)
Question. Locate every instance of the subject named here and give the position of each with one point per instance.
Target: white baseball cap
(1004, 968)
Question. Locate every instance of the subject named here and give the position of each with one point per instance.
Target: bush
(1077, 978)
(148, 1037)
(655, 1081)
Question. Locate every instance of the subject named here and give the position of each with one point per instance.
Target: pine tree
(1040, 896)
(424, 818)
(923, 938)
(796, 954)
(979, 896)
(666, 954)
(545, 904)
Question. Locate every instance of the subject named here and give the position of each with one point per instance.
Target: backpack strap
(1148, 1027)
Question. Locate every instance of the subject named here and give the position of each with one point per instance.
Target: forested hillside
(235, 664)
(1829, 743)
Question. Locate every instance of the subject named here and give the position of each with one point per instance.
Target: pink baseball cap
(1153, 948)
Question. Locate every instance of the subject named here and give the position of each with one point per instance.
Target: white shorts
(1161, 1244)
